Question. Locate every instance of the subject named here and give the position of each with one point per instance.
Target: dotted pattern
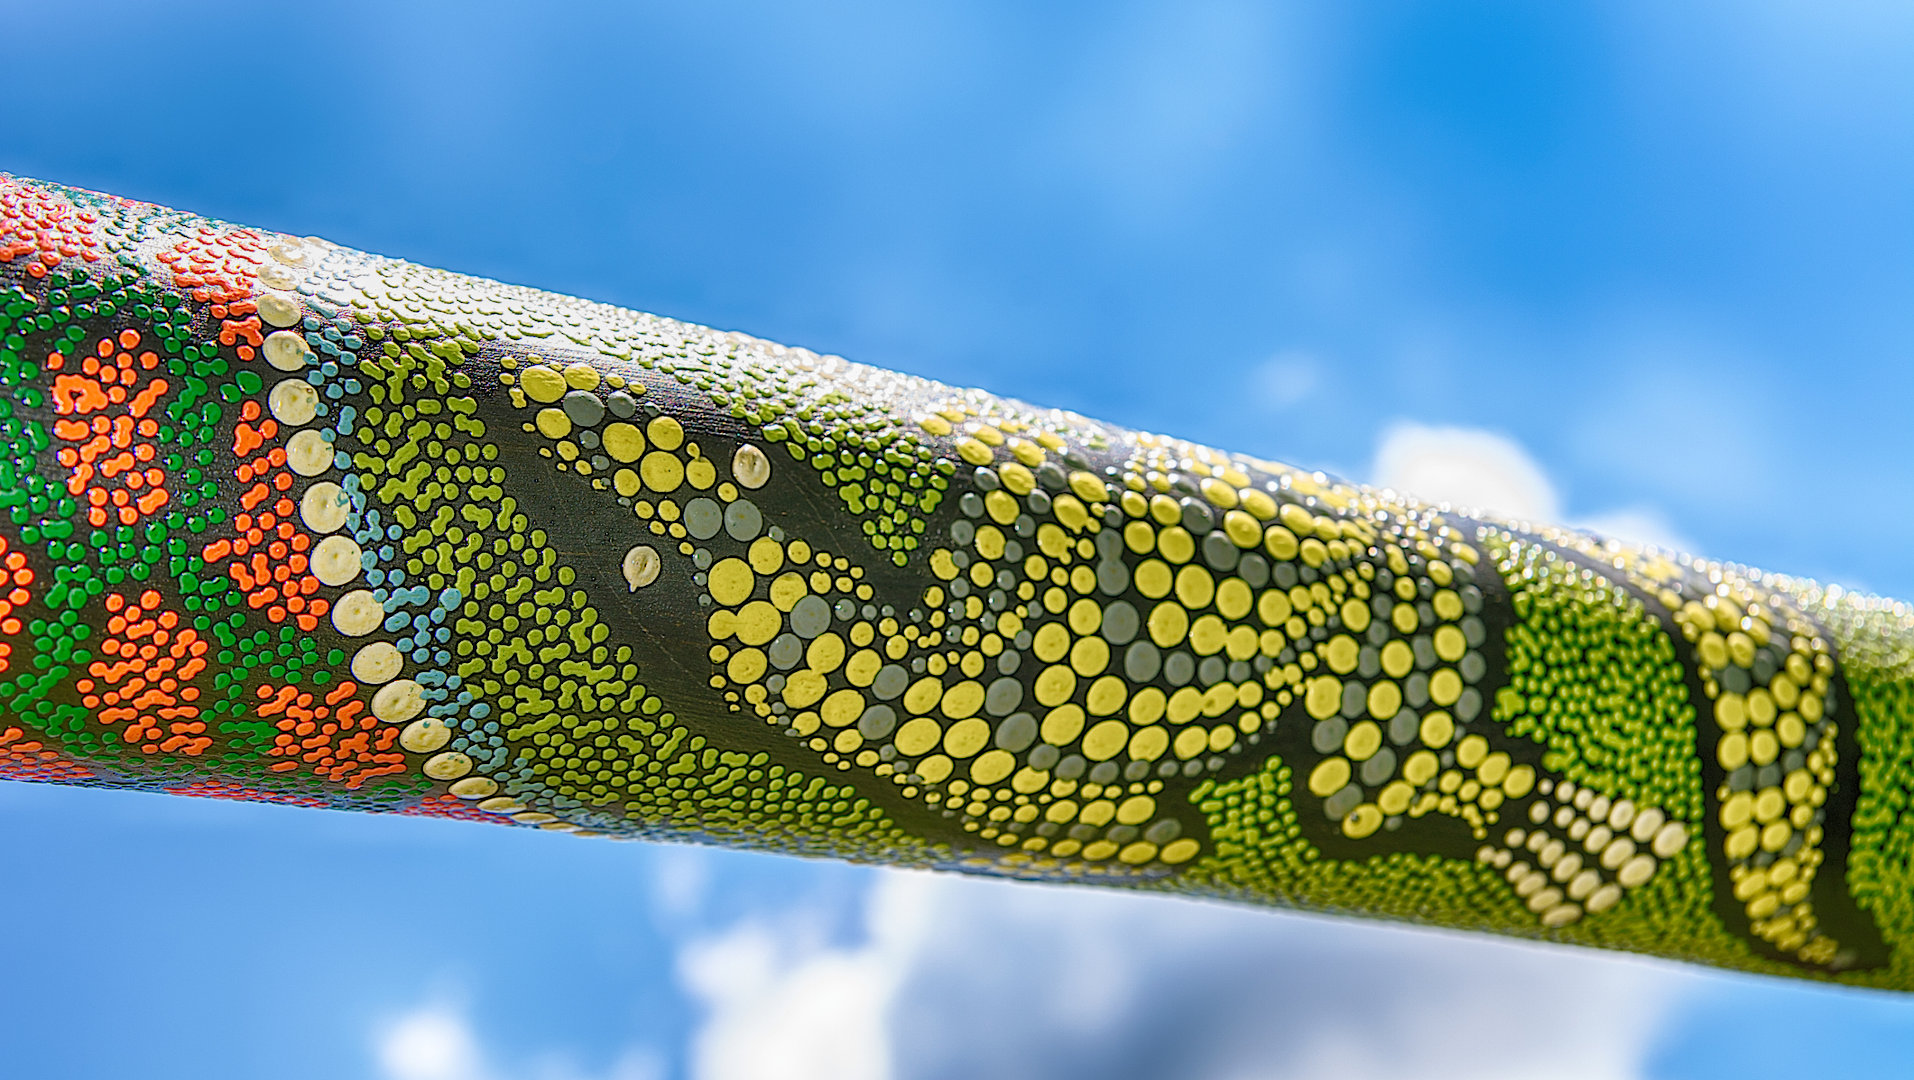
(292, 523)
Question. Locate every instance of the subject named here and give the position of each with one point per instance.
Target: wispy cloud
(1466, 467)
(1288, 379)
(1023, 981)
(965, 977)
(432, 1042)
(436, 1041)
(1486, 470)
(782, 1006)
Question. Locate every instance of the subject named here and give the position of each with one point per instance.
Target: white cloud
(971, 977)
(1466, 467)
(1474, 469)
(783, 1006)
(432, 1042)
(1029, 981)
(436, 1042)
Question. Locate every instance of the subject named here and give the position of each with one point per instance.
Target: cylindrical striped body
(289, 522)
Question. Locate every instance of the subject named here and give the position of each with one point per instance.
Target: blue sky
(1642, 264)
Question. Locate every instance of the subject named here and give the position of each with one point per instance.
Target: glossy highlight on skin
(294, 523)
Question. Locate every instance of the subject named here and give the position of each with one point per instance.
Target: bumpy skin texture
(289, 522)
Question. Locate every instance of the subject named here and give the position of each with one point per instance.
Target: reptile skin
(288, 522)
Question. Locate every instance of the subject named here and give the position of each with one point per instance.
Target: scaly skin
(295, 523)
